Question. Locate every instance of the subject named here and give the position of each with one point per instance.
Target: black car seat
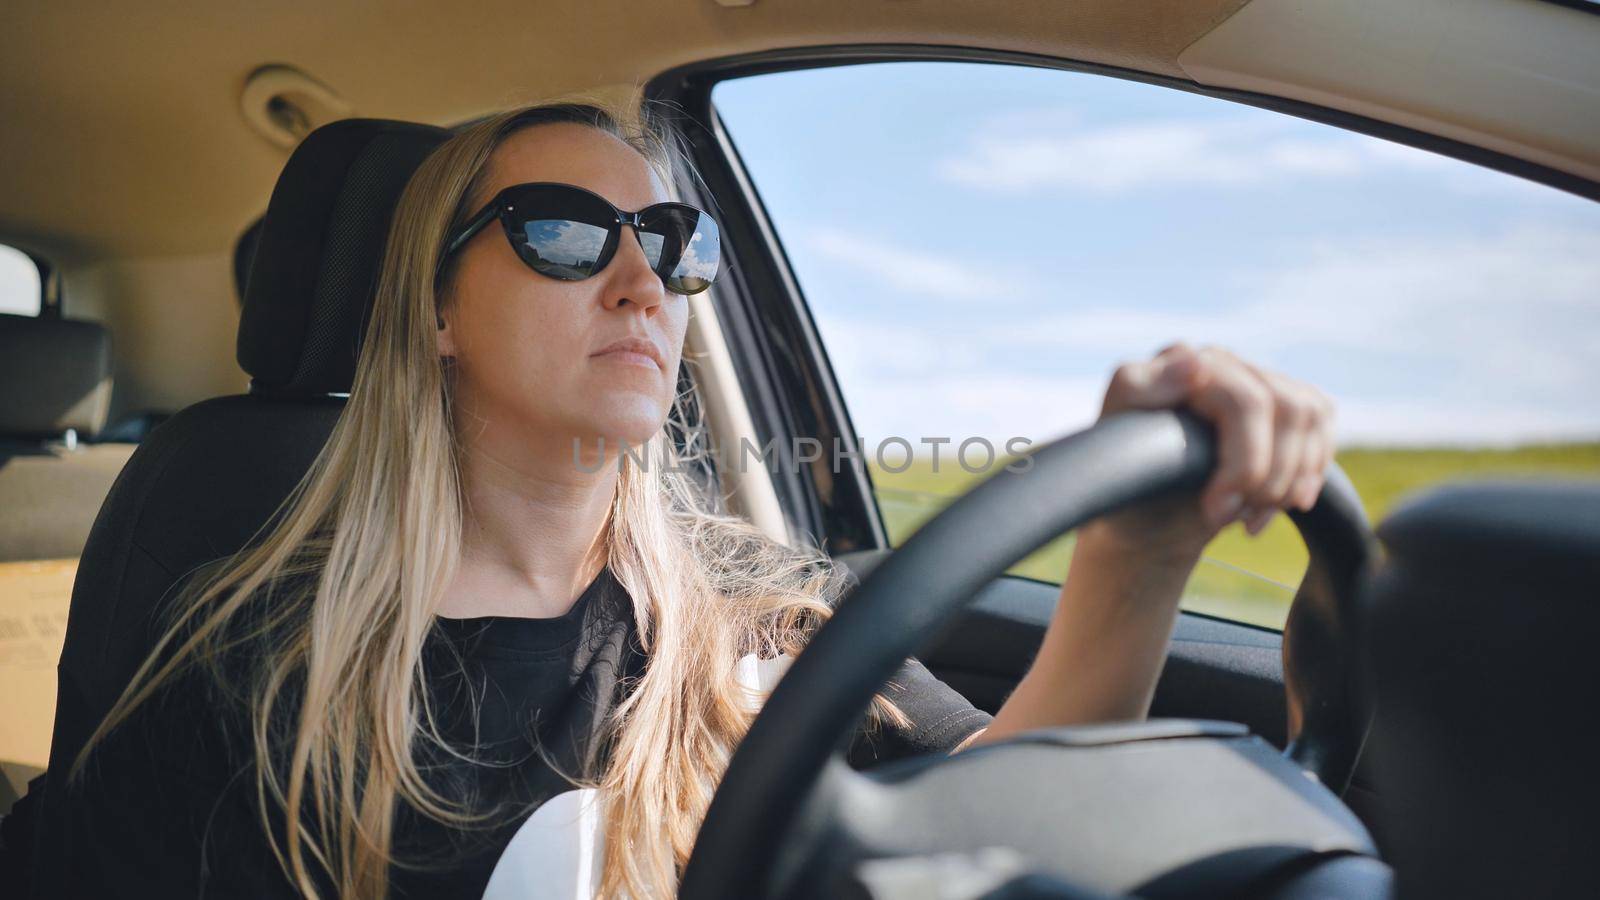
(1480, 658)
(205, 480)
(55, 388)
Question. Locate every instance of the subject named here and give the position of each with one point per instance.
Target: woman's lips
(628, 356)
(633, 351)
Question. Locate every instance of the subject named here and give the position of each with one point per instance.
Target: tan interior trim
(34, 596)
(747, 482)
(173, 323)
(1521, 77)
(125, 131)
(284, 104)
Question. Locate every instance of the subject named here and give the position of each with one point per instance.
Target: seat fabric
(210, 477)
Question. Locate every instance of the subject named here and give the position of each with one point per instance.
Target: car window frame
(49, 283)
(763, 308)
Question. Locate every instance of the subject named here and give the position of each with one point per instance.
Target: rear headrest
(316, 261)
(55, 374)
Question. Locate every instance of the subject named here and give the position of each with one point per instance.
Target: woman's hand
(1274, 437)
(1104, 648)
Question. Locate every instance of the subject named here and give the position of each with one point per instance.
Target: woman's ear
(446, 337)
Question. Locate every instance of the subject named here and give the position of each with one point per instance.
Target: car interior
(205, 194)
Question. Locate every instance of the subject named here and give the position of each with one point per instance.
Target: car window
(980, 245)
(21, 290)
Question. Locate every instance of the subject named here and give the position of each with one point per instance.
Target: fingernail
(1313, 491)
(1227, 508)
(1259, 520)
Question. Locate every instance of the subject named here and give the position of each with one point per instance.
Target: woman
(479, 632)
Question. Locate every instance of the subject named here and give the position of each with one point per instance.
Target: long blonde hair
(341, 591)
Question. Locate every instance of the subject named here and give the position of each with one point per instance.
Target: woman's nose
(633, 279)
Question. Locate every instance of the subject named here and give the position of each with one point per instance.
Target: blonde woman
(485, 654)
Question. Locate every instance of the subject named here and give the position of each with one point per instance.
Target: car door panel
(1215, 669)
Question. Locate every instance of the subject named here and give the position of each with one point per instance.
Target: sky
(980, 246)
(19, 282)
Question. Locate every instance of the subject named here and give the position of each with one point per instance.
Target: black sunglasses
(567, 232)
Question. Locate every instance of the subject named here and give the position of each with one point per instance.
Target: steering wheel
(788, 799)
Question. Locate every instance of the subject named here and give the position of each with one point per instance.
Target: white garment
(557, 852)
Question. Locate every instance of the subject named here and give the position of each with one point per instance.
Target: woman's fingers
(1162, 382)
(1295, 420)
(1319, 454)
(1303, 494)
(1240, 405)
(1288, 471)
(1274, 439)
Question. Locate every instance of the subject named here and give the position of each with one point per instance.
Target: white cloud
(1049, 153)
(1529, 297)
(996, 406)
(915, 272)
(889, 349)
(1489, 339)
(1422, 422)
(564, 241)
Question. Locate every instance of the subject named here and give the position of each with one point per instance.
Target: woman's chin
(615, 443)
(632, 432)
(633, 416)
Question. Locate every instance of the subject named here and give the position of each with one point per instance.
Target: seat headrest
(321, 244)
(55, 374)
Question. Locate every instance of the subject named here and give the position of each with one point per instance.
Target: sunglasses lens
(564, 233)
(683, 246)
(562, 248)
(558, 232)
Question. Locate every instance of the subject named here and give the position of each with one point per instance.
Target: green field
(1244, 578)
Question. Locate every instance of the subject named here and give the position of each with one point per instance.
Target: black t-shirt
(168, 806)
